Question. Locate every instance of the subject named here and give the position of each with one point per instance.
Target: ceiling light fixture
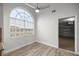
(37, 9)
(70, 19)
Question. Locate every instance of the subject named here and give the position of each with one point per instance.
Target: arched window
(21, 23)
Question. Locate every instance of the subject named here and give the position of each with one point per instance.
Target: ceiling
(40, 5)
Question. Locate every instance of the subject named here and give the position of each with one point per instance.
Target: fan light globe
(37, 10)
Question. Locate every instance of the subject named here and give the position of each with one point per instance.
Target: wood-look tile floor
(67, 43)
(38, 49)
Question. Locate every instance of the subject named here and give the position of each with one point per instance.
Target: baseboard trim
(77, 52)
(46, 44)
(5, 52)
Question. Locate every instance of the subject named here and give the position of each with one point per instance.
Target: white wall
(1, 15)
(47, 23)
(10, 44)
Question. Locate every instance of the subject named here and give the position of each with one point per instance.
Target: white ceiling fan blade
(45, 7)
(30, 5)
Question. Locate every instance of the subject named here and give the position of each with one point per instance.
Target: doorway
(67, 33)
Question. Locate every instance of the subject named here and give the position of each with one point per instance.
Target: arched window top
(19, 15)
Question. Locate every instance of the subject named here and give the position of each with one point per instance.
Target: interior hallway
(38, 49)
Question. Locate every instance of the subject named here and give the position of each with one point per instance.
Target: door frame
(75, 46)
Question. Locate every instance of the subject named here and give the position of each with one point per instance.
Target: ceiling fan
(37, 8)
